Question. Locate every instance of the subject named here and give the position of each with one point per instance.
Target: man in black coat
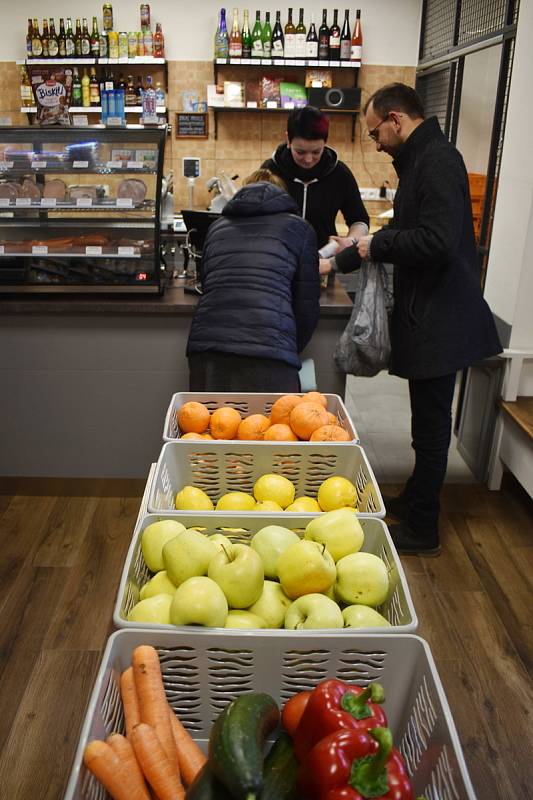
(440, 323)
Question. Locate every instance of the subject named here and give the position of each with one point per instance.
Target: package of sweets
(270, 93)
(52, 88)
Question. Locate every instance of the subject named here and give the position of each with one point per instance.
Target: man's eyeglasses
(373, 133)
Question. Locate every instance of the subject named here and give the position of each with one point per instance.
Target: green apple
(358, 616)
(154, 537)
(306, 567)
(220, 540)
(330, 592)
(239, 572)
(362, 578)
(339, 530)
(244, 619)
(272, 604)
(187, 556)
(199, 601)
(154, 609)
(313, 611)
(270, 542)
(159, 584)
(190, 498)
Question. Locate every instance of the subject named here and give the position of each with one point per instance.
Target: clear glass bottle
(149, 99)
(235, 39)
(26, 93)
(160, 97)
(357, 40)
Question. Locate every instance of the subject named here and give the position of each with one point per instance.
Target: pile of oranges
(292, 418)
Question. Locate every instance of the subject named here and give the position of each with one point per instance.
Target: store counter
(87, 380)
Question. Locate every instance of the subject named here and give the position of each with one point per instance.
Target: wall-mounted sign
(193, 125)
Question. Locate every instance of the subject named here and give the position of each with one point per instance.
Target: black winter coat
(260, 279)
(440, 322)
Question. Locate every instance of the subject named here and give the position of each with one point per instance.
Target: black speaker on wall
(335, 98)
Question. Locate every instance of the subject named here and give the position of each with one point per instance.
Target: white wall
(391, 29)
(478, 98)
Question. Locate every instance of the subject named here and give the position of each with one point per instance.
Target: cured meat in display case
(80, 209)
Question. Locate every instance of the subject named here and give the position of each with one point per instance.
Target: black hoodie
(320, 192)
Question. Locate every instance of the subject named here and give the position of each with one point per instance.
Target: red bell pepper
(355, 765)
(335, 705)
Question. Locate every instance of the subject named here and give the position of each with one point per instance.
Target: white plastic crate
(250, 403)
(235, 466)
(398, 607)
(204, 672)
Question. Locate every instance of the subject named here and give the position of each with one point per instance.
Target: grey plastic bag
(364, 347)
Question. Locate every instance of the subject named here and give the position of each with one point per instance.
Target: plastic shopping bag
(364, 347)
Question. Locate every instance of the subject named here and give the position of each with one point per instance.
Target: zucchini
(280, 774)
(206, 787)
(237, 741)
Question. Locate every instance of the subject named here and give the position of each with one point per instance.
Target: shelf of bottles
(87, 62)
(95, 109)
(287, 62)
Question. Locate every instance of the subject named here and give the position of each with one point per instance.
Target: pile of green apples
(279, 580)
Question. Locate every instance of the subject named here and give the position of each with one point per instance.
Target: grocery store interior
(122, 136)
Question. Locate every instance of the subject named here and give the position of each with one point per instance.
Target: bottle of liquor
(85, 89)
(139, 91)
(278, 41)
(246, 36)
(346, 38)
(26, 94)
(257, 37)
(85, 40)
(311, 44)
(131, 96)
(53, 44)
(267, 36)
(160, 98)
(149, 101)
(221, 37)
(36, 41)
(290, 38)
(159, 41)
(44, 39)
(94, 89)
(357, 40)
(235, 40)
(62, 39)
(77, 38)
(95, 40)
(301, 32)
(70, 46)
(29, 37)
(335, 37)
(323, 37)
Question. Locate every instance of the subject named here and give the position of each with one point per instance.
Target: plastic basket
(202, 673)
(235, 466)
(251, 403)
(398, 607)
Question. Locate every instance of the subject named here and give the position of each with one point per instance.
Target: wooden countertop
(334, 302)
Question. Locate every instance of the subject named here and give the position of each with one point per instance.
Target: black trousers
(431, 430)
(223, 372)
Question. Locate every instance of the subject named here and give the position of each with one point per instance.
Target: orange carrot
(153, 703)
(190, 756)
(130, 701)
(124, 750)
(155, 765)
(106, 766)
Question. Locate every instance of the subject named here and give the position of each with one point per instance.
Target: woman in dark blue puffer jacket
(261, 288)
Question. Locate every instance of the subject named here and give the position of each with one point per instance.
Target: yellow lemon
(336, 492)
(274, 487)
(267, 505)
(304, 505)
(192, 499)
(235, 501)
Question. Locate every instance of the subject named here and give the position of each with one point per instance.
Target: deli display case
(80, 209)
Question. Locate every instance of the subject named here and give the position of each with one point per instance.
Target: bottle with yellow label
(85, 90)
(26, 93)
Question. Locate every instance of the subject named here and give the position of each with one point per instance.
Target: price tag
(235, 61)
(345, 64)
(124, 202)
(48, 201)
(114, 122)
(266, 61)
(221, 60)
(115, 164)
(80, 120)
(38, 164)
(272, 104)
(278, 62)
(6, 165)
(1, 249)
(80, 164)
(134, 164)
(84, 202)
(289, 104)
(23, 201)
(6, 121)
(4, 201)
(126, 251)
(323, 63)
(39, 250)
(93, 250)
(251, 104)
(246, 61)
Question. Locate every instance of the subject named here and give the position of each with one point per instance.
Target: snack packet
(52, 88)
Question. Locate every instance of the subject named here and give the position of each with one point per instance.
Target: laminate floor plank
(67, 527)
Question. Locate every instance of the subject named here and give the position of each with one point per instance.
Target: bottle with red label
(357, 41)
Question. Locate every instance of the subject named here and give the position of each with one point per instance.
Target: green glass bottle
(267, 36)
(257, 37)
(246, 36)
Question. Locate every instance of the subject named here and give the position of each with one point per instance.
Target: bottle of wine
(335, 37)
(94, 89)
(70, 45)
(301, 32)
(246, 36)
(62, 39)
(221, 37)
(267, 36)
(290, 38)
(323, 37)
(53, 44)
(235, 40)
(311, 44)
(346, 38)
(257, 37)
(278, 41)
(357, 40)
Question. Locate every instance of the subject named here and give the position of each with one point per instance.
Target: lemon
(235, 501)
(304, 505)
(267, 505)
(336, 492)
(192, 499)
(274, 487)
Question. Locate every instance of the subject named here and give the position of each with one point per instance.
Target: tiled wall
(244, 140)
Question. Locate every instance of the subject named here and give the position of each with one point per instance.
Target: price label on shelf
(288, 104)
(251, 104)
(80, 120)
(124, 202)
(38, 164)
(266, 61)
(272, 104)
(84, 202)
(39, 250)
(6, 165)
(48, 202)
(93, 250)
(126, 251)
(4, 201)
(135, 165)
(23, 201)
(115, 164)
(80, 164)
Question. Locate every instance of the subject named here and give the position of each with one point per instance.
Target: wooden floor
(60, 561)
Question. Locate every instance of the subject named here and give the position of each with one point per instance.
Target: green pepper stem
(369, 774)
(356, 704)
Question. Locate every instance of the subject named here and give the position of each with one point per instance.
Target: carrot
(153, 703)
(190, 756)
(154, 763)
(124, 750)
(106, 766)
(130, 701)
(293, 710)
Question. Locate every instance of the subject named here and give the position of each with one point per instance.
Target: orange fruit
(192, 435)
(306, 418)
(193, 417)
(280, 433)
(253, 427)
(225, 423)
(281, 410)
(333, 420)
(315, 397)
(330, 433)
